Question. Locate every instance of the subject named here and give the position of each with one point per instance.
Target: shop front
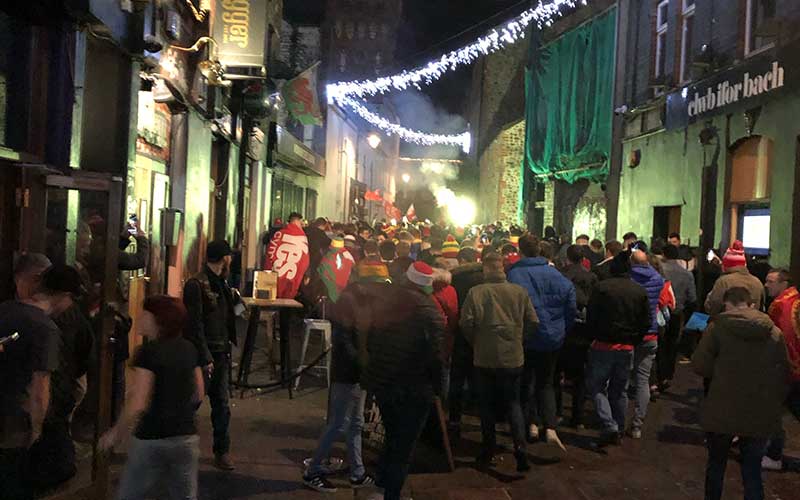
(722, 164)
(296, 178)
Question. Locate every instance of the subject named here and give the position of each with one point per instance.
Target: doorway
(75, 220)
(666, 220)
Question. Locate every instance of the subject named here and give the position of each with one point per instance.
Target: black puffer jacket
(584, 282)
(618, 311)
(465, 277)
(404, 341)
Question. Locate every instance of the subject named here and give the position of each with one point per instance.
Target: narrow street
(272, 435)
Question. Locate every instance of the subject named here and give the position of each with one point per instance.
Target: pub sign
(239, 28)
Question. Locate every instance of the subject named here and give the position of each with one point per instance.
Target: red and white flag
(288, 256)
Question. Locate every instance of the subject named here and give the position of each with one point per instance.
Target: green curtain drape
(568, 98)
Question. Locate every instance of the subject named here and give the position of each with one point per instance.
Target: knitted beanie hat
(450, 248)
(421, 274)
(372, 270)
(734, 256)
(337, 242)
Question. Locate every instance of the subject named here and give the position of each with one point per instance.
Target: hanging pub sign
(740, 88)
(239, 28)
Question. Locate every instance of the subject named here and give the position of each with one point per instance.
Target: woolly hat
(734, 256)
(450, 248)
(421, 274)
(218, 249)
(373, 271)
(337, 242)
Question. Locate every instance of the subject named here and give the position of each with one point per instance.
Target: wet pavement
(273, 434)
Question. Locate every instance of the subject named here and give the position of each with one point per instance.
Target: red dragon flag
(300, 95)
(288, 256)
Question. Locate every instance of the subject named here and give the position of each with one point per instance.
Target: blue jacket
(653, 283)
(553, 298)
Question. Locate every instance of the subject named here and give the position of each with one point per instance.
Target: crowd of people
(424, 313)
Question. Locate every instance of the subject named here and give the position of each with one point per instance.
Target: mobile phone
(133, 220)
(710, 255)
(11, 338)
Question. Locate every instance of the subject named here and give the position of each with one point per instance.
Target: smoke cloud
(417, 111)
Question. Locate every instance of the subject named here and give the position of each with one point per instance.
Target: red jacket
(785, 313)
(447, 300)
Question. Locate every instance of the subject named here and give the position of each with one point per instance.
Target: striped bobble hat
(421, 274)
(450, 248)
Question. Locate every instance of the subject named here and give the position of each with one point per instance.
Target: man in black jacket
(347, 397)
(212, 328)
(618, 317)
(572, 360)
(404, 368)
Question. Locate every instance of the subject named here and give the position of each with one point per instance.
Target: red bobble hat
(421, 274)
(734, 256)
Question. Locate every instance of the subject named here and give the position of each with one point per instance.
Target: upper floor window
(662, 23)
(687, 38)
(757, 14)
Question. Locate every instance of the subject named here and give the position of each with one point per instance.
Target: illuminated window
(661, 38)
(758, 14)
(687, 38)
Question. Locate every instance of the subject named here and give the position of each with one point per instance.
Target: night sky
(429, 28)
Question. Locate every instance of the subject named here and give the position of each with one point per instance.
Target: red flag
(335, 271)
(288, 256)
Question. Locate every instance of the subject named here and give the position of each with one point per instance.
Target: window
(759, 12)
(687, 38)
(661, 38)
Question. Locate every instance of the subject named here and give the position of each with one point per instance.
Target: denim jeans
(346, 418)
(538, 391)
(607, 384)
(404, 414)
(777, 443)
(169, 464)
(643, 357)
(500, 386)
(217, 388)
(752, 450)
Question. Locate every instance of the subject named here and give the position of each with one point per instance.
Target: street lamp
(406, 178)
(374, 140)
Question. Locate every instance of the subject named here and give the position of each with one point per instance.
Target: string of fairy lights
(351, 94)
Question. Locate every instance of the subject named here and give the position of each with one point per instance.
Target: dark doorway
(666, 220)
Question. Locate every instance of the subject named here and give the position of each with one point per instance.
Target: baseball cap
(61, 278)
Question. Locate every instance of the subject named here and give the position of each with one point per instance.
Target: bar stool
(323, 328)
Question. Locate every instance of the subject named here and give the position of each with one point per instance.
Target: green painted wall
(670, 174)
(198, 175)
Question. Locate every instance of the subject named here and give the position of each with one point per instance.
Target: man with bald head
(644, 354)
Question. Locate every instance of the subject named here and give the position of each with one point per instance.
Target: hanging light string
(543, 15)
(462, 140)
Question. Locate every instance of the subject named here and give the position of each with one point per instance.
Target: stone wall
(499, 196)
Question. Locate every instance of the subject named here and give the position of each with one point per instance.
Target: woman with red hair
(167, 390)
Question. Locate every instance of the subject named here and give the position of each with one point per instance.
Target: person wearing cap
(54, 453)
(211, 327)
(26, 366)
(734, 274)
(403, 368)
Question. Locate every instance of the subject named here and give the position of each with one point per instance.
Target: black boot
(522, 461)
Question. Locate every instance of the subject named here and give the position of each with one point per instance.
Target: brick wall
(501, 176)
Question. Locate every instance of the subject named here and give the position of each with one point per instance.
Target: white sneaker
(770, 464)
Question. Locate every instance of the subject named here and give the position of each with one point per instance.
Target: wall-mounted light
(406, 178)
(210, 68)
(374, 140)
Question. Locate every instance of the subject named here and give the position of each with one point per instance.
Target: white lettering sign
(728, 93)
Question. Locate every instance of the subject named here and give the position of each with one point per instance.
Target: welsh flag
(300, 96)
(334, 270)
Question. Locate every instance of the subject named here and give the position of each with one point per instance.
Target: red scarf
(288, 256)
